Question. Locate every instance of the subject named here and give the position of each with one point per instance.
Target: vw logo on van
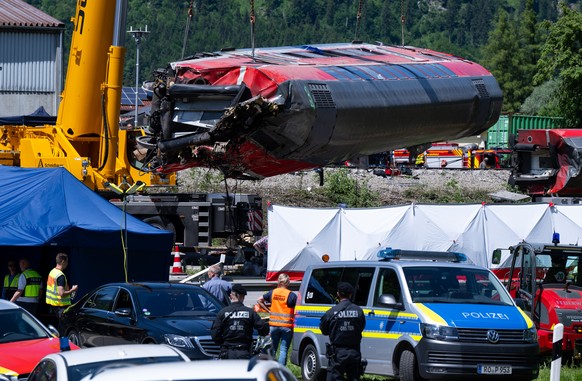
(492, 336)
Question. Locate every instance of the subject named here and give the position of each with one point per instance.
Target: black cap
(239, 289)
(345, 288)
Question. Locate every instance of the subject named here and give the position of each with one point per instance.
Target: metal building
(31, 59)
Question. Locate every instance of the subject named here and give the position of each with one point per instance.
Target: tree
(561, 59)
(483, 12)
(502, 58)
(512, 52)
(542, 100)
(453, 26)
(530, 49)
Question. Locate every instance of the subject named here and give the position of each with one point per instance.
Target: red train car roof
(341, 62)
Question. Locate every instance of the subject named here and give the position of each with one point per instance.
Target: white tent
(299, 237)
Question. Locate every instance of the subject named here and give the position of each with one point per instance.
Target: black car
(121, 313)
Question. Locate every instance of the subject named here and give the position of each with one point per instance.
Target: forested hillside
(507, 36)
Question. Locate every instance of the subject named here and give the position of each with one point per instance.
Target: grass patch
(451, 193)
(573, 373)
(567, 373)
(341, 188)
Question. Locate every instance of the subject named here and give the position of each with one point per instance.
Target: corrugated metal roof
(17, 13)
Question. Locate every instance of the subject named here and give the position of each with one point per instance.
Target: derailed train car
(256, 113)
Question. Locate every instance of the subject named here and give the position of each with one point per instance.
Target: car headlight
(177, 341)
(439, 332)
(530, 335)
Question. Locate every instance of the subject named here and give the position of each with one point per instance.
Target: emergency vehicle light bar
(565, 249)
(435, 256)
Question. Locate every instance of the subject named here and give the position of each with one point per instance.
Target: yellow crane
(87, 139)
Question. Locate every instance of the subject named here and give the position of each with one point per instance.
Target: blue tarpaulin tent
(38, 118)
(46, 211)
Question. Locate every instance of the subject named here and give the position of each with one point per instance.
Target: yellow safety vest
(33, 282)
(10, 287)
(52, 294)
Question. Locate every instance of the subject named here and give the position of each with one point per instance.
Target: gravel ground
(303, 189)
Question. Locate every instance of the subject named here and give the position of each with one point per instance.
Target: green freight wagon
(507, 125)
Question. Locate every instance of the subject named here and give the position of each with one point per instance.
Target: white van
(425, 319)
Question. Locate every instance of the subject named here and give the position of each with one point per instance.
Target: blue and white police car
(429, 315)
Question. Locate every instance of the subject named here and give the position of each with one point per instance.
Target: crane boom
(86, 138)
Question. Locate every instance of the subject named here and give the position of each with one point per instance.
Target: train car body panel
(290, 108)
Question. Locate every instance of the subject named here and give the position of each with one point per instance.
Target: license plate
(493, 369)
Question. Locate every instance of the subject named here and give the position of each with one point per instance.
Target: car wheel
(408, 367)
(74, 337)
(310, 365)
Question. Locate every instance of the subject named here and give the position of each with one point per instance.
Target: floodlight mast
(137, 34)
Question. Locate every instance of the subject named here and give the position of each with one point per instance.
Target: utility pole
(137, 34)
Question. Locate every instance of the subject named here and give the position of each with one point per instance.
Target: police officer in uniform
(10, 280)
(344, 324)
(233, 327)
(29, 288)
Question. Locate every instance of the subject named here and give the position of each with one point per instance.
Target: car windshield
(17, 325)
(551, 268)
(77, 373)
(455, 285)
(176, 302)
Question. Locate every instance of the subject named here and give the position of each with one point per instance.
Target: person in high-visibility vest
(58, 292)
(281, 312)
(10, 284)
(29, 288)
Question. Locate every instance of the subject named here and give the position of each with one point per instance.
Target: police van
(429, 315)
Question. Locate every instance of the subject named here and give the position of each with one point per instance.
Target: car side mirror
(389, 301)
(123, 312)
(53, 330)
(496, 259)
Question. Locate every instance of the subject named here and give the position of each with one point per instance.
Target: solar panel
(128, 96)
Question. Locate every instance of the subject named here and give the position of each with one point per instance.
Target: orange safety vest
(281, 314)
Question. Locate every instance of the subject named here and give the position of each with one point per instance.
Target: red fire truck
(546, 282)
(455, 156)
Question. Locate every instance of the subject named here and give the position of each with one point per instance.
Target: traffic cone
(177, 266)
